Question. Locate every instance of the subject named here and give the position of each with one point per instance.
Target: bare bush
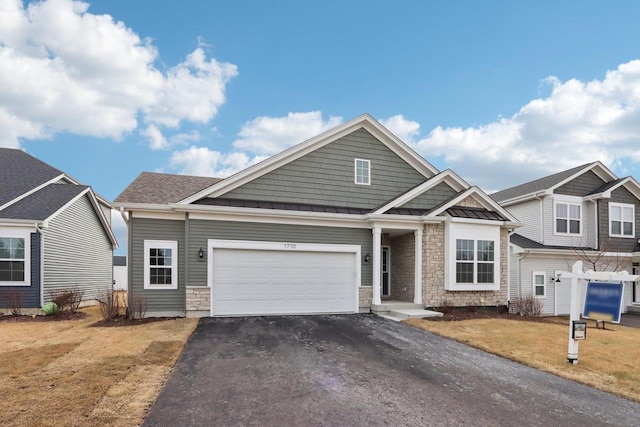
(67, 299)
(109, 304)
(14, 299)
(527, 306)
(137, 306)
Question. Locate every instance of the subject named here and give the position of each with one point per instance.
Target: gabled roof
(605, 191)
(479, 196)
(526, 243)
(21, 173)
(160, 188)
(43, 203)
(364, 121)
(547, 184)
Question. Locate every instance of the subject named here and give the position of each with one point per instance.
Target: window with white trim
(568, 218)
(539, 284)
(621, 220)
(473, 257)
(160, 264)
(362, 170)
(15, 263)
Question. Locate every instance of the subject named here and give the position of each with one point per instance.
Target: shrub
(50, 308)
(137, 307)
(14, 299)
(527, 306)
(67, 299)
(109, 304)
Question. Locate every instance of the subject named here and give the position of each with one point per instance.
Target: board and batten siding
(159, 302)
(433, 197)
(528, 213)
(326, 176)
(202, 230)
(77, 252)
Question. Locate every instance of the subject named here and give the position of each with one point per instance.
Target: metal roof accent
(474, 213)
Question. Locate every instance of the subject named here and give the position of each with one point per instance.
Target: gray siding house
(583, 214)
(342, 223)
(54, 233)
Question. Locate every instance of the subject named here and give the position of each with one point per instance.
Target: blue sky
(499, 91)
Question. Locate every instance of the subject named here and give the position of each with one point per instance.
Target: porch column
(377, 243)
(417, 286)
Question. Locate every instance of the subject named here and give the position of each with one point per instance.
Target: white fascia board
(486, 201)
(596, 167)
(447, 176)
(151, 214)
(278, 219)
(310, 145)
(525, 197)
(30, 192)
(7, 222)
(93, 198)
(142, 206)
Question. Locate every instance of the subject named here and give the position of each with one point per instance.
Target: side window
(160, 264)
(539, 284)
(362, 171)
(621, 220)
(15, 257)
(568, 217)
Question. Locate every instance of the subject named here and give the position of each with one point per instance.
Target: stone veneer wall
(198, 301)
(402, 267)
(433, 269)
(365, 294)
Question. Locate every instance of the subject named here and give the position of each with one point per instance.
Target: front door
(385, 282)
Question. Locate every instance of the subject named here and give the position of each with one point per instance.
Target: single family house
(55, 234)
(340, 223)
(583, 214)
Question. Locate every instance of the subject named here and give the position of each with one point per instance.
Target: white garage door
(269, 280)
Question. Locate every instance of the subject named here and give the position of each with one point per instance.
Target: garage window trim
(160, 264)
(15, 262)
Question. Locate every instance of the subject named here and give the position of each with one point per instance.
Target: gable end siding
(157, 300)
(202, 230)
(528, 213)
(434, 197)
(582, 185)
(77, 252)
(619, 195)
(326, 176)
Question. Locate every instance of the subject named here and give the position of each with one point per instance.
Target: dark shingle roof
(20, 173)
(474, 213)
(259, 204)
(119, 261)
(536, 185)
(527, 243)
(43, 203)
(607, 186)
(159, 188)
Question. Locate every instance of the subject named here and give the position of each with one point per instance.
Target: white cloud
(65, 69)
(270, 135)
(577, 123)
(154, 138)
(404, 129)
(201, 161)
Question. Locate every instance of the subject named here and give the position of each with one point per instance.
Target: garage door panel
(252, 282)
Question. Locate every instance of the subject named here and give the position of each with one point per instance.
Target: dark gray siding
(581, 186)
(157, 300)
(435, 196)
(326, 176)
(609, 244)
(77, 251)
(30, 294)
(201, 230)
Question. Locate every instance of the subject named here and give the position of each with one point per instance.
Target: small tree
(599, 259)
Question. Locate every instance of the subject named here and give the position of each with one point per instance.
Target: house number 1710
(289, 245)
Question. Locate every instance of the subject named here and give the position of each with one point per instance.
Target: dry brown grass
(66, 373)
(607, 359)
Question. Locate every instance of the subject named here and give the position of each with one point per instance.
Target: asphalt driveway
(362, 370)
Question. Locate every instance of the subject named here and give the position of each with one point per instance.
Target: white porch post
(417, 287)
(377, 243)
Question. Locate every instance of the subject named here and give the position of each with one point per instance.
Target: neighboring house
(119, 273)
(54, 233)
(582, 214)
(340, 223)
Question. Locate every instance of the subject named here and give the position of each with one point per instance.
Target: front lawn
(607, 359)
(67, 373)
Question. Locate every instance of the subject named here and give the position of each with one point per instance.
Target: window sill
(620, 236)
(473, 287)
(23, 284)
(160, 287)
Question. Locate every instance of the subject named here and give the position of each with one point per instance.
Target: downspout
(40, 230)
